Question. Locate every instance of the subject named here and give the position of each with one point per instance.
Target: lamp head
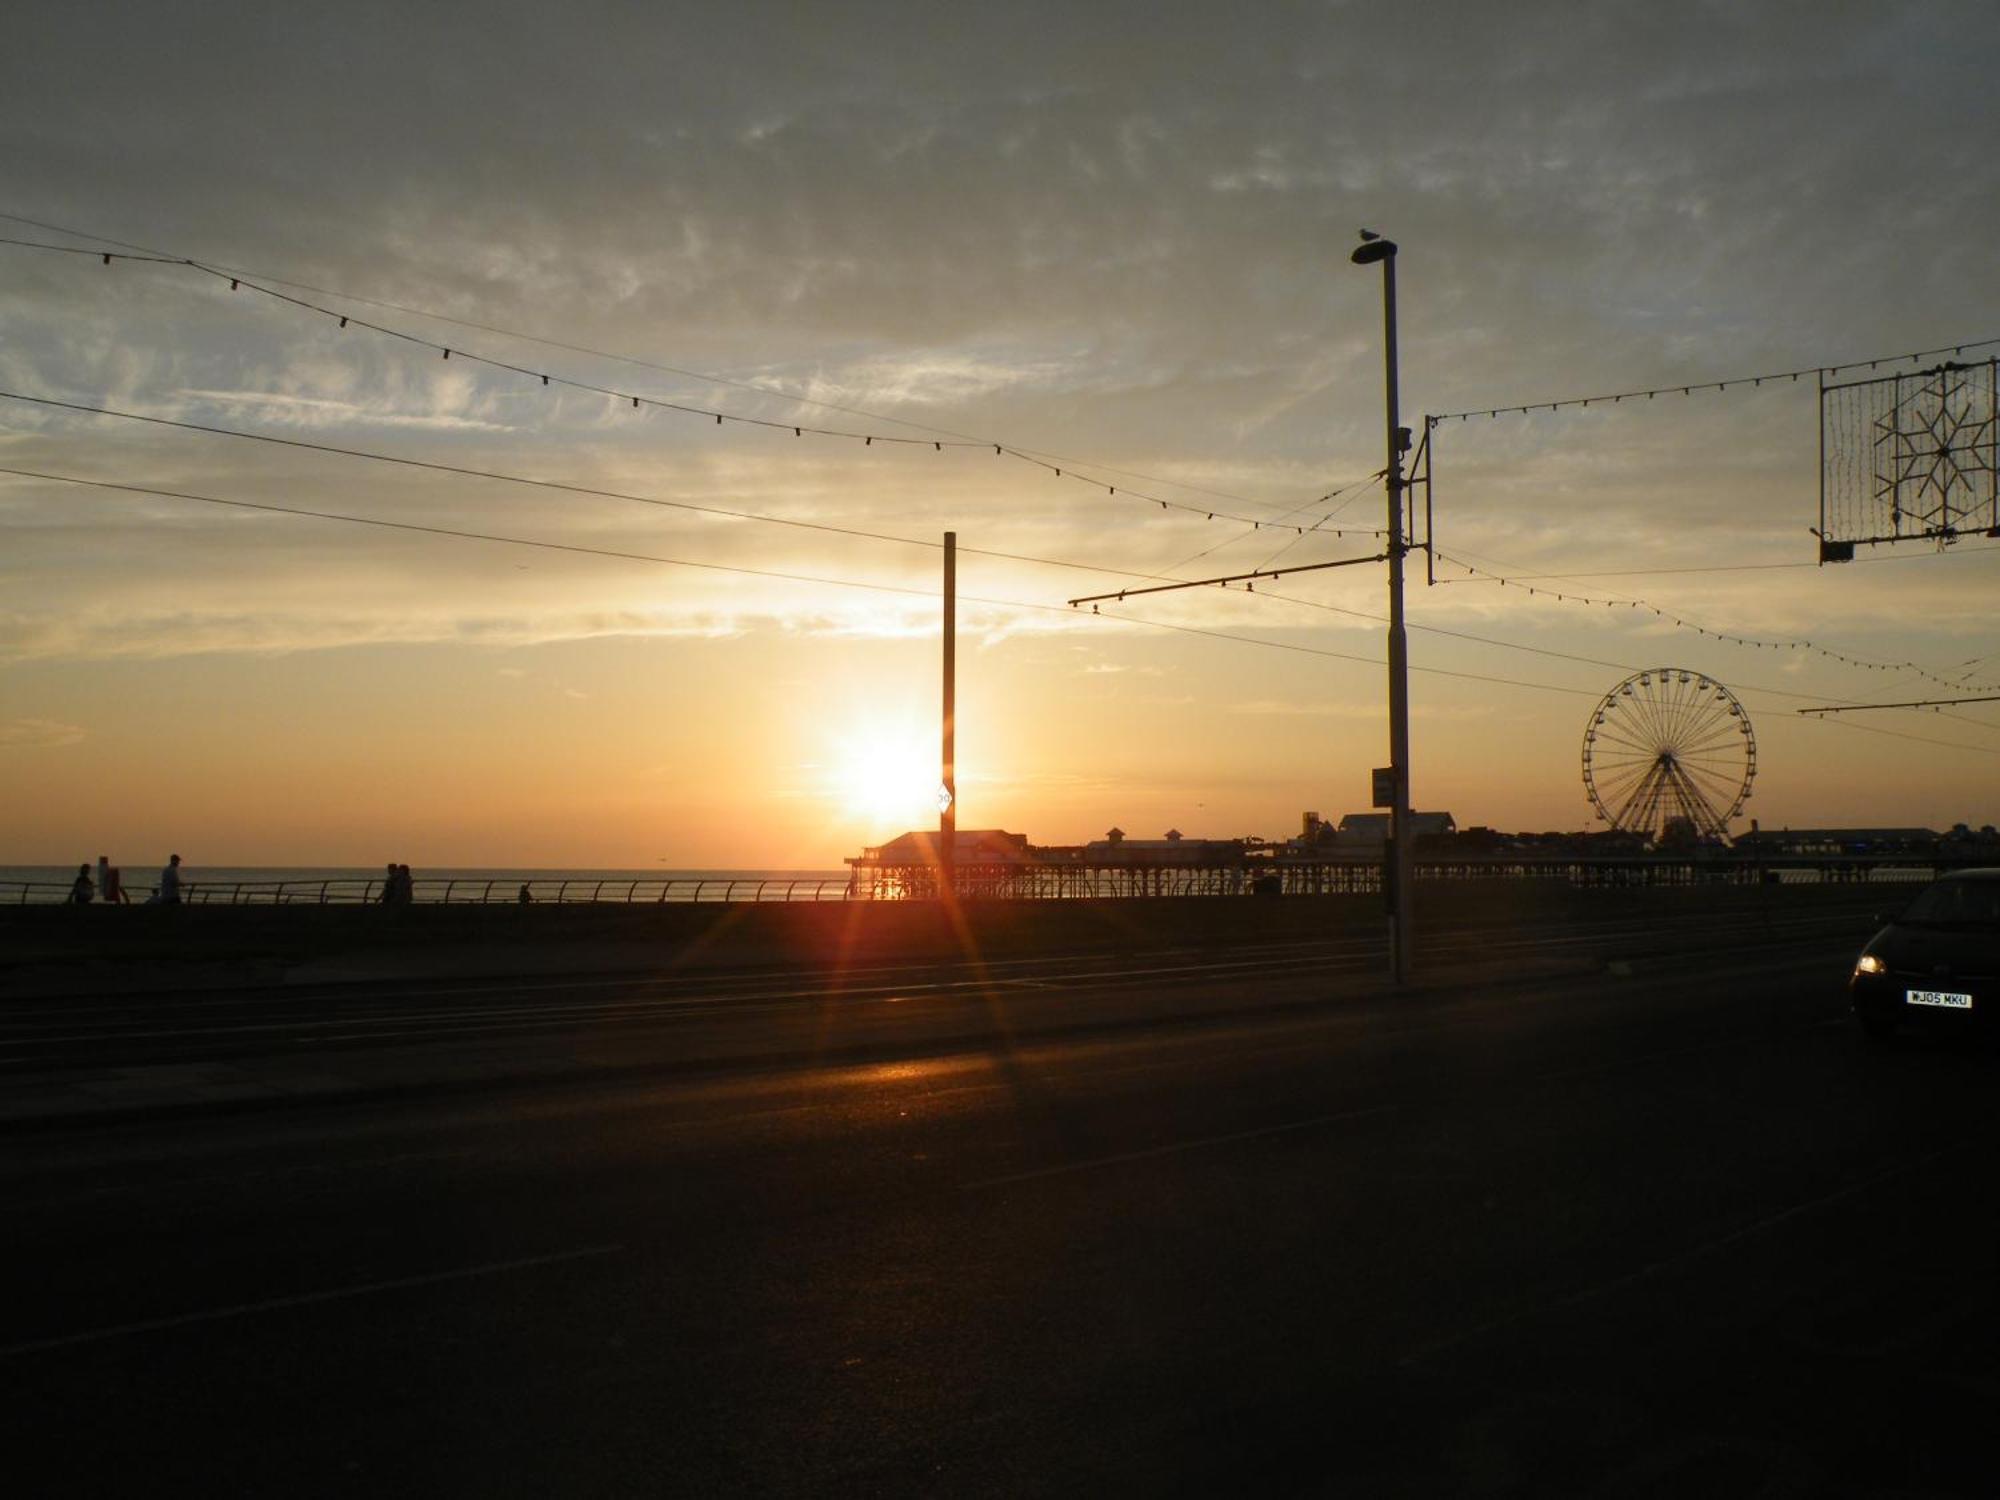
(1372, 248)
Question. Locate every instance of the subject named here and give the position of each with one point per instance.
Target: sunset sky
(1111, 237)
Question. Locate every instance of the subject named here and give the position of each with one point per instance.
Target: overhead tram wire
(462, 534)
(243, 280)
(1554, 655)
(561, 486)
(1895, 667)
(456, 533)
(1353, 489)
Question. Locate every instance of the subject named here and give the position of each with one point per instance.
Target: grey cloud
(1116, 230)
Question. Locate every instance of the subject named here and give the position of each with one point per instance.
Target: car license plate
(1945, 998)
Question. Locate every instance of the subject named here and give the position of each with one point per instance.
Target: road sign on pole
(1382, 786)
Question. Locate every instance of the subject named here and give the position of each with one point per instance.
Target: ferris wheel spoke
(1686, 710)
(1643, 797)
(1723, 773)
(1632, 739)
(1715, 737)
(1723, 766)
(1674, 714)
(1620, 790)
(1705, 815)
(1713, 779)
(1700, 731)
(1655, 713)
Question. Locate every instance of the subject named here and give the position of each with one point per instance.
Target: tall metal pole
(1398, 861)
(948, 786)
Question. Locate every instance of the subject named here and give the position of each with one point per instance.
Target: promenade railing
(443, 890)
(1066, 880)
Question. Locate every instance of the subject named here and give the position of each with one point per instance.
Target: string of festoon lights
(1735, 382)
(1683, 622)
(239, 282)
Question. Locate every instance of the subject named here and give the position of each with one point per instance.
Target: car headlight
(1868, 963)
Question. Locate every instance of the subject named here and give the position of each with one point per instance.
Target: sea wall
(84, 949)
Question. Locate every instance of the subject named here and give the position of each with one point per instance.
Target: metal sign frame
(1931, 465)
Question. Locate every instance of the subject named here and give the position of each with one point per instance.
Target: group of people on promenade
(110, 885)
(399, 887)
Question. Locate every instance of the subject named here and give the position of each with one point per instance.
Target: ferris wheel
(1669, 744)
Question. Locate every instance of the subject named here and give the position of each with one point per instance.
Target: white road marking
(303, 1299)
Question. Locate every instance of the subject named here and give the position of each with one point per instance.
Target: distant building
(1839, 840)
(1174, 849)
(969, 847)
(1372, 828)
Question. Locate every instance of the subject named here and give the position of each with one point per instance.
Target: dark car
(1938, 961)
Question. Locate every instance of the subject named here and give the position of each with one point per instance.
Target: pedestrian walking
(169, 891)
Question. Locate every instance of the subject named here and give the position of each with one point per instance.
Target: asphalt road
(1673, 1232)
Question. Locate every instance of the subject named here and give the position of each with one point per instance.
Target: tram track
(126, 1029)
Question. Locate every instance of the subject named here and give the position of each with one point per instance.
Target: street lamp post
(1396, 874)
(947, 797)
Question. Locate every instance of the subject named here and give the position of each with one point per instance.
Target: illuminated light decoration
(1685, 624)
(1754, 381)
(1912, 457)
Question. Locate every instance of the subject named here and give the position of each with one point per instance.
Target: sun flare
(887, 777)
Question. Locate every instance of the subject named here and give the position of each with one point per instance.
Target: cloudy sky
(1112, 238)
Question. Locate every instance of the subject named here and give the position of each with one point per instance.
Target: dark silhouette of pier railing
(1057, 881)
(1060, 880)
